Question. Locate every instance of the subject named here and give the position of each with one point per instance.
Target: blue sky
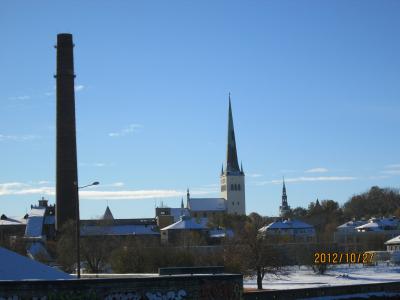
(315, 92)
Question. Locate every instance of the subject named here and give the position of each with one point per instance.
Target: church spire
(232, 164)
(284, 196)
(284, 208)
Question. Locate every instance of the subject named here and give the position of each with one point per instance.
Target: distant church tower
(284, 209)
(232, 178)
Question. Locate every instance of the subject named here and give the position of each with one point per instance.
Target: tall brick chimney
(67, 171)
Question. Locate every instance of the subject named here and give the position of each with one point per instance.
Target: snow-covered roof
(119, 230)
(220, 233)
(17, 267)
(375, 224)
(34, 226)
(287, 224)
(275, 225)
(370, 226)
(393, 241)
(352, 224)
(188, 223)
(13, 221)
(207, 204)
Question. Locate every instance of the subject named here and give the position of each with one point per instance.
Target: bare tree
(249, 252)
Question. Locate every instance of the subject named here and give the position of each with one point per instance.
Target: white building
(393, 244)
(289, 231)
(379, 224)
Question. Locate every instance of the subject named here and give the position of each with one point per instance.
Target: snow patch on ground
(304, 277)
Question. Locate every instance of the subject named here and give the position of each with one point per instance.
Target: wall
(196, 287)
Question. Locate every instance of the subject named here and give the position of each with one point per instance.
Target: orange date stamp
(321, 258)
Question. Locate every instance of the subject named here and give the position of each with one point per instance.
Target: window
(239, 187)
(233, 203)
(232, 189)
(238, 203)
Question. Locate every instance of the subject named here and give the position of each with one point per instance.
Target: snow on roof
(352, 224)
(375, 224)
(17, 267)
(34, 226)
(275, 225)
(393, 241)
(119, 230)
(13, 221)
(371, 226)
(287, 224)
(207, 204)
(220, 233)
(188, 223)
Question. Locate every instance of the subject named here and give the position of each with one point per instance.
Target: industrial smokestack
(67, 171)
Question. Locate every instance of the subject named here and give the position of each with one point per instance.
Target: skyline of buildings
(317, 105)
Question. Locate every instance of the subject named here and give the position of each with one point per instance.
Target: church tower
(232, 178)
(284, 209)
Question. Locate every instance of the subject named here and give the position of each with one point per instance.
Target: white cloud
(392, 169)
(316, 170)
(96, 164)
(254, 175)
(391, 172)
(211, 185)
(99, 164)
(378, 177)
(128, 130)
(288, 171)
(392, 166)
(79, 87)
(19, 188)
(43, 182)
(18, 138)
(24, 97)
(309, 179)
(129, 194)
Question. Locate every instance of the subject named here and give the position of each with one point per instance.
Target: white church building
(232, 198)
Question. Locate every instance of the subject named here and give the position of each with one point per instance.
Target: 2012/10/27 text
(343, 258)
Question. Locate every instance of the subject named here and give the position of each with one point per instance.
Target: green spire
(232, 164)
